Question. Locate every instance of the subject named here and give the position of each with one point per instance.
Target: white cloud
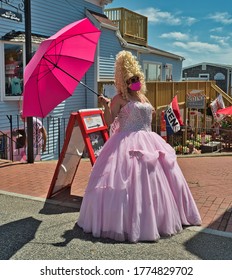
(220, 40)
(189, 20)
(175, 35)
(198, 47)
(222, 57)
(156, 16)
(216, 29)
(224, 18)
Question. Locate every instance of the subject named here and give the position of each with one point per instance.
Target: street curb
(200, 229)
(216, 154)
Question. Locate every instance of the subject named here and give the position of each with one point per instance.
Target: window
(152, 71)
(204, 76)
(203, 67)
(13, 66)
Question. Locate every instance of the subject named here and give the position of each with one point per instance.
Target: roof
(165, 53)
(103, 19)
(208, 63)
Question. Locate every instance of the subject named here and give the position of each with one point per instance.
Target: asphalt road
(37, 230)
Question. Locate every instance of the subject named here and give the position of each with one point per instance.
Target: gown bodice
(135, 116)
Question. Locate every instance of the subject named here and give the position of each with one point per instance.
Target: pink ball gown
(136, 190)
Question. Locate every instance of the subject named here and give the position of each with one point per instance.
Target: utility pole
(27, 18)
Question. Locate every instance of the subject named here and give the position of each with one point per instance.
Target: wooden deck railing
(227, 98)
(132, 26)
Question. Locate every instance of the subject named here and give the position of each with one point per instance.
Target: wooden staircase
(224, 95)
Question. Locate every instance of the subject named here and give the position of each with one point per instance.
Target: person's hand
(104, 100)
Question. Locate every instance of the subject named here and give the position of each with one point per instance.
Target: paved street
(34, 229)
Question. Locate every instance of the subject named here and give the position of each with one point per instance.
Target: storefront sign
(7, 14)
(196, 99)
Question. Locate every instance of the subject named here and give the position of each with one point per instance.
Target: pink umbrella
(58, 66)
(225, 111)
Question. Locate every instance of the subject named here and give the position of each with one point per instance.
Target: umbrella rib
(44, 72)
(67, 56)
(57, 55)
(55, 65)
(71, 36)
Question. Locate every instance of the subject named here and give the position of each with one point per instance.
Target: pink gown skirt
(137, 191)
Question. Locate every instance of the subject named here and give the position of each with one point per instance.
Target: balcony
(132, 26)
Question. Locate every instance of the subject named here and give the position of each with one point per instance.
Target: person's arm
(44, 135)
(111, 108)
(107, 113)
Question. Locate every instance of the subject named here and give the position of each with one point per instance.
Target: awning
(19, 36)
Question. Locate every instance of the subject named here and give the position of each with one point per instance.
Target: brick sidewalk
(209, 179)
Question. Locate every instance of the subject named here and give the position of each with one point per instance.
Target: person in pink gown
(136, 190)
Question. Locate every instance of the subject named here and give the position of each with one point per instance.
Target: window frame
(3, 96)
(3, 67)
(158, 70)
(168, 72)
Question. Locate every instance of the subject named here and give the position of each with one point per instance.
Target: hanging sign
(195, 99)
(7, 14)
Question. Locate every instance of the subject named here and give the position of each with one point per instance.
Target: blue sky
(200, 30)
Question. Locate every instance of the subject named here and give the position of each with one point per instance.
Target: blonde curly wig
(127, 66)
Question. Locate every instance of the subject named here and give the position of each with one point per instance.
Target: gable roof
(210, 64)
(102, 19)
(165, 53)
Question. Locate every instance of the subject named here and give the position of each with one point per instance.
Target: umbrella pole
(72, 76)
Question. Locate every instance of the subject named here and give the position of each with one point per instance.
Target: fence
(13, 139)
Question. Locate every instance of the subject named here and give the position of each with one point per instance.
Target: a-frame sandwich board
(86, 128)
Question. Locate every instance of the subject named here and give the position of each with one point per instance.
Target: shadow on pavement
(224, 222)
(208, 248)
(218, 247)
(14, 235)
(78, 233)
(56, 204)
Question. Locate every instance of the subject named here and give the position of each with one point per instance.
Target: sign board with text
(195, 99)
(94, 131)
(86, 128)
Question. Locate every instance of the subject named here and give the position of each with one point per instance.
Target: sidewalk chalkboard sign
(86, 128)
(94, 131)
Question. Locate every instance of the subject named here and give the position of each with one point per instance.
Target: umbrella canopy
(225, 111)
(57, 67)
